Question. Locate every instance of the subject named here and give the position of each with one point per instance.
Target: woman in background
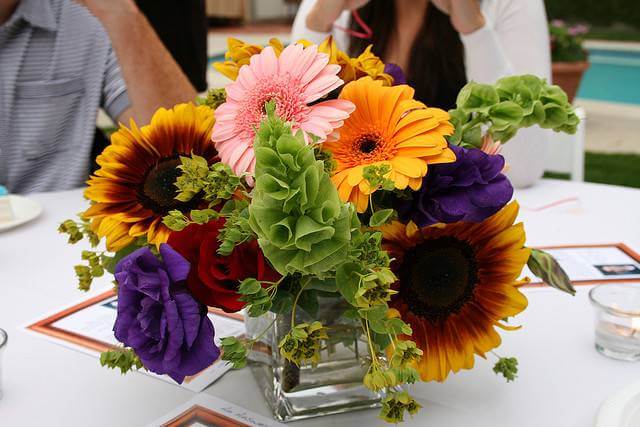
(441, 44)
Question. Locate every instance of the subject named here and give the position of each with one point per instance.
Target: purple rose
(396, 72)
(470, 189)
(157, 316)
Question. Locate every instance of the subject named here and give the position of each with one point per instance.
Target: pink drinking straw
(366, 32)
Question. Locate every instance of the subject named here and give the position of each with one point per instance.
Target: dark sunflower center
(438, 277)
(158, 191)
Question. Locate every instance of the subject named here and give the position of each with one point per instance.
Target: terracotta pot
(568, 75)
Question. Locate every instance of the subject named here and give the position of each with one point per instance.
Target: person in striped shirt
(62, 60)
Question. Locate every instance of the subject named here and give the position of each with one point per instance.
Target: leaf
(109, 263)
(249, 286)
(326, 285)
(347, 281)
(375, 313)
(549, 270)
(382, 341)
(282, 302)
(508, 111)
(381, 217)
(308, 301)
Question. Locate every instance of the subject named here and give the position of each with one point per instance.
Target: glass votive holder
(3, 343)
(617, 320)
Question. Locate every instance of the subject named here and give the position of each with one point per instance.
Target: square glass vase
(333, 386)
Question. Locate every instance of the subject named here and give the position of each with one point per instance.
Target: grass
(626, 36)
(614, 169)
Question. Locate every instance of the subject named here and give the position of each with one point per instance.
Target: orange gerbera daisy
(456, 282)
(391, 128)
(134, 187)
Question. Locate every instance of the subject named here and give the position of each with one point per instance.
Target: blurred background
(595, 49)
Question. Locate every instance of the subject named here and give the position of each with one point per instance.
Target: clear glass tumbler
(331, 387)
(617, 320)
(3, 343)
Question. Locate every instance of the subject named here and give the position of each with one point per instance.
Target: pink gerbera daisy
(297, 78)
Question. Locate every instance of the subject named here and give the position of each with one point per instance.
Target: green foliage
(549, 270)
(377, 176)
(109, 262)
(301, 224)
(327, 159)
(79, 230)
(234, 352)
(366, 249)
(215, 182)
(507, 367)
(95, 264)
(122, 358)
(512, 103)
(405, 353)
(215, 98)
(175, 220)
(257, 298)
(396, 404)
(375, 288)
(596, 12)
(83, 273)
(381, 217)
(236, 228)
(302, 343)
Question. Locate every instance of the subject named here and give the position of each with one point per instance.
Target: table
(562, 378)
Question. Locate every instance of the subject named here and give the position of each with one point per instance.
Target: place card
(87, 326)
(208, 411)
(594, 264)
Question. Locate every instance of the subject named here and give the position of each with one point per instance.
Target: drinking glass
(3, 344)
(617, 320)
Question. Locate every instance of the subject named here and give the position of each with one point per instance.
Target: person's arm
(315, 18)
(152, 76)
(514, 41)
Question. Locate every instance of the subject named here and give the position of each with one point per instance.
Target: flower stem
(295, 302)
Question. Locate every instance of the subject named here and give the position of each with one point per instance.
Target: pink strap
(367, 34)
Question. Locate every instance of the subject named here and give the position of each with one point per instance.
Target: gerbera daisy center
(368, 143)
(439, 278)
(283, 90)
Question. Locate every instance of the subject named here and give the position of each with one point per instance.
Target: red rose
(213, 278)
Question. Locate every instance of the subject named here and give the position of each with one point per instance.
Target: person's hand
(466, 15)
(325, 12)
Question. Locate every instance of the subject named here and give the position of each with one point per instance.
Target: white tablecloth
(562, 378)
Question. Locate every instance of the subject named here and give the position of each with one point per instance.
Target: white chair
(566, 152)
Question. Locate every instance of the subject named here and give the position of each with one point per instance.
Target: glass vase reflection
(333, 386)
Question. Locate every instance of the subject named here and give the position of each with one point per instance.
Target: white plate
(24, 210)
(622, 409)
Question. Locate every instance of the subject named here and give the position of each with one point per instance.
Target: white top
(514, 40)
(561, 382)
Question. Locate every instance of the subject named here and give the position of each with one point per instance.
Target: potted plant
(570, 59)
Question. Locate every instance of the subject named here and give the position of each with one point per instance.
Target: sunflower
(353, 68)
(455, 283)
(239, 53)
(389, 128)
(134, 187)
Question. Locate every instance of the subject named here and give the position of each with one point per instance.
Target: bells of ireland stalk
(302, 225)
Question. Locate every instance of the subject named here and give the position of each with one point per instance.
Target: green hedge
(596, 12)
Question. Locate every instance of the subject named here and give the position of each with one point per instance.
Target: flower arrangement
(566, 41)
(311, 176)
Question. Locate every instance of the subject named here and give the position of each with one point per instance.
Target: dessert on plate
(6, 214)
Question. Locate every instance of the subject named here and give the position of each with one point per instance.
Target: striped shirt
(57, 68)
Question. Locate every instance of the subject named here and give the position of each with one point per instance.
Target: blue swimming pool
(614, 76)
